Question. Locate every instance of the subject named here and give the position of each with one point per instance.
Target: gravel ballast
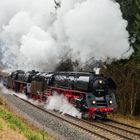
(54, 126)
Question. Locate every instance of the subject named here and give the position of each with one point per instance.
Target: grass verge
(18, 124)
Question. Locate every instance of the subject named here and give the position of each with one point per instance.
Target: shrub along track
(98, 129)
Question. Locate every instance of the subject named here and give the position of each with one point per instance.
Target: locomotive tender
(92, 94)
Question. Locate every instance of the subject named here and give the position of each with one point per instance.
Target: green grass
(1, 126)
(18, 124)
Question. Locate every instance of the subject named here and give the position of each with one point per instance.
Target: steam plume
(33, 34)
(61, 104)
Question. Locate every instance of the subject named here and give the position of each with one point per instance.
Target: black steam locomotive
(92, 94)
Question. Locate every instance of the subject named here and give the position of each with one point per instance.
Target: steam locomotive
(92, 94)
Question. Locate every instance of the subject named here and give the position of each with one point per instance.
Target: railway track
(115, 131)
(97, 130)
(124, 127)
(122, 130)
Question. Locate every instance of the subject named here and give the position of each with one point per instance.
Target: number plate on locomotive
(99, 98)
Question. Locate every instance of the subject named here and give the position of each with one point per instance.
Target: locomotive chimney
(96, 70)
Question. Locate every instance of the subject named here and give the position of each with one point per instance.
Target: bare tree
(127, 77)
(57, 4)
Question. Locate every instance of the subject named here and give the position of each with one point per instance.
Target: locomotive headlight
(100, 81)
(110, 102)
(94, 102)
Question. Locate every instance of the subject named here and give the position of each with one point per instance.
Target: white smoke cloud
(61, 104)
(96, 28)
(42, 43)
(36, 35)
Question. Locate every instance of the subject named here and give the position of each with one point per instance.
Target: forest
(126, 73)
